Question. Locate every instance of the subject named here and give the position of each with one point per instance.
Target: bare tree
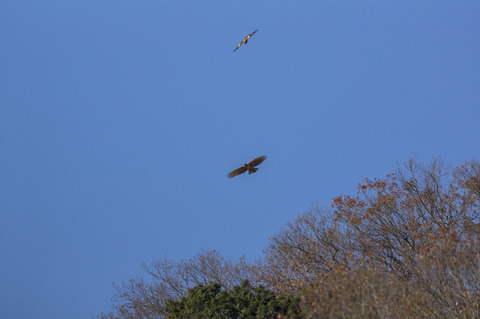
(170, 280)
(450, 273)
(395, 219)
(360, 293)
(307, 247)
(468, 176)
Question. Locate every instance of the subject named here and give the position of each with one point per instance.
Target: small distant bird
(245, 40)
(250, 167)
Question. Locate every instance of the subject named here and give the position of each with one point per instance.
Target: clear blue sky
(119, 121)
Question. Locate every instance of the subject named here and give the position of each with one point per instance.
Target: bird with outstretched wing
(250, 167)
(245, 40)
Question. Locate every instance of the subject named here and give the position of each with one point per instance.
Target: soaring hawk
(245, 40)
(250, 167)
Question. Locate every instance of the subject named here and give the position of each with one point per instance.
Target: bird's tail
(252, 170)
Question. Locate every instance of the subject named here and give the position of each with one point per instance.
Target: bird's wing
(243, 42)
(238, 171)
(257, 161)
(253, 32)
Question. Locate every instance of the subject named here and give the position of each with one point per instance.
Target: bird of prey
(245, 40)
(250, 167)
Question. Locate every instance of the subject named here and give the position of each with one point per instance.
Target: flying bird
(245, 40)
(250, 167)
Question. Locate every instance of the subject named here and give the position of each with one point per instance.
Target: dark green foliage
(241, 302)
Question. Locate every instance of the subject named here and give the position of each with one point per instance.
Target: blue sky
(119, 121)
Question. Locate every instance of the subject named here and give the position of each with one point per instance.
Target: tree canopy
(240, 302)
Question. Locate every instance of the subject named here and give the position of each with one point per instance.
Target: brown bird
(245, 40)
(250, 167)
